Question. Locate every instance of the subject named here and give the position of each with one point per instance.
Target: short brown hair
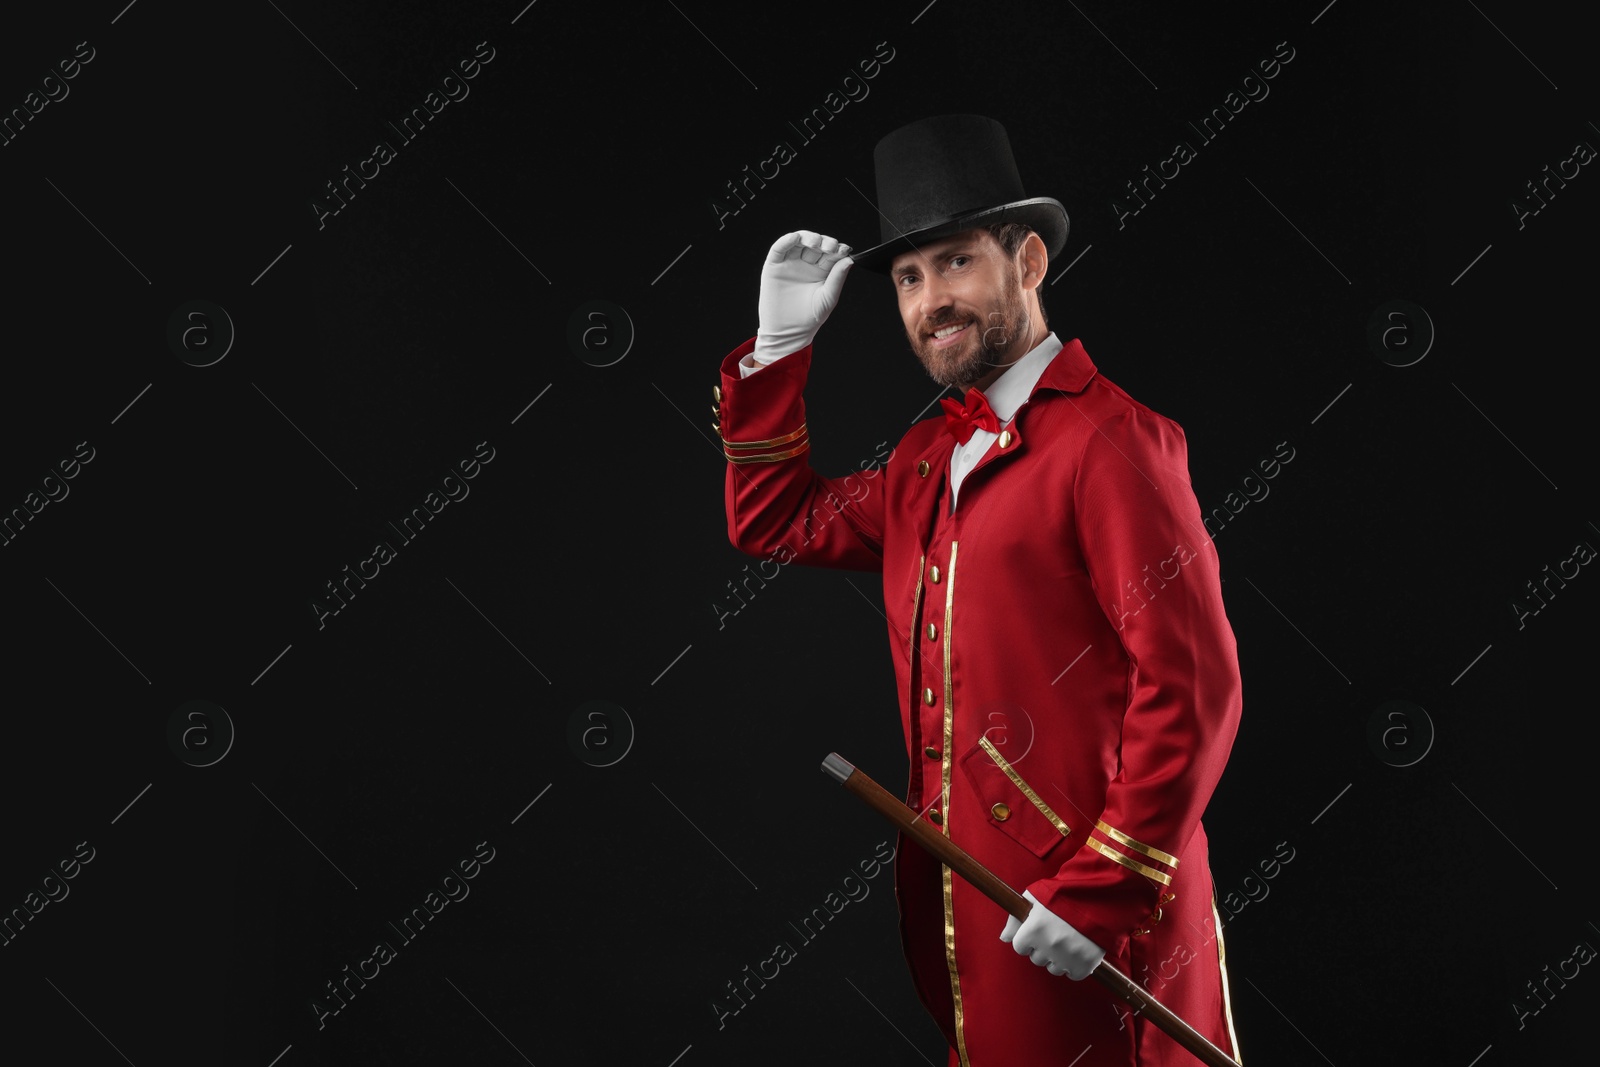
(1010, 236)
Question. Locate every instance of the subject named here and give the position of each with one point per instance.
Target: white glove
(1052, 942)
(800, 285)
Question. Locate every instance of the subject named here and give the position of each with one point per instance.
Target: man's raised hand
(800, 285)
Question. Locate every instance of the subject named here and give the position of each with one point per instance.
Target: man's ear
(1034, 260)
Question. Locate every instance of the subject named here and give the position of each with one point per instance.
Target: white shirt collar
(1007, 392)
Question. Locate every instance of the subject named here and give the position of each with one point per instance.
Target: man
(1069, 688)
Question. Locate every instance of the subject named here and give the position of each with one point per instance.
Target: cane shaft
(958, 860)
(936, 843)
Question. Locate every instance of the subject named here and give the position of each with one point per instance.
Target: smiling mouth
(948, 334)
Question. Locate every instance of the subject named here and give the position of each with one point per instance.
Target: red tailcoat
(1069, 692)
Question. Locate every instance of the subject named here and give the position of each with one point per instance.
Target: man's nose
(935, 295)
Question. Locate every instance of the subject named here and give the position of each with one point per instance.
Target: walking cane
(985, 880)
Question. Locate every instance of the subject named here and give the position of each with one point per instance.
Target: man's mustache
(943, 321)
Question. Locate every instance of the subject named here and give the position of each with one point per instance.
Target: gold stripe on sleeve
(769, 442)
(769, 457)
(1138, 846)
(1132, 864)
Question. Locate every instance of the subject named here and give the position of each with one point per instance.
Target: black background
(589, 559)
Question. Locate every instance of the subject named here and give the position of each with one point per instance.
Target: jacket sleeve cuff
(1111, 887)
(758, 415)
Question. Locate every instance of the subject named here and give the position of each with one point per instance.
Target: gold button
(935, 574)
(716, 393)
(935, 817)
(1000, 812)
(927, 697)
(717, 426)
(716, 409)
(933, 632)
(922, 469)
(931, 752)
(1005, 438)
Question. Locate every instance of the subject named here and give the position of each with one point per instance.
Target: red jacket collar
(1069, 372)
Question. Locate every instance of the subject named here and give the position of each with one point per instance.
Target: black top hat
(950, 173)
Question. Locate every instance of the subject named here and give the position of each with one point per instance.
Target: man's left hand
(1052, 943)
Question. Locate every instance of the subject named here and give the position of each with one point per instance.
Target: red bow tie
(961, 421)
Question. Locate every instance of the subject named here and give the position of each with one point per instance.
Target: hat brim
(1045, 216)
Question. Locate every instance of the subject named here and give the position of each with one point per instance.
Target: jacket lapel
(1069, 372)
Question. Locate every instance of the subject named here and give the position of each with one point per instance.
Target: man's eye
(957, 261)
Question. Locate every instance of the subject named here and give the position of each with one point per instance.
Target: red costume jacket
(1069, 692)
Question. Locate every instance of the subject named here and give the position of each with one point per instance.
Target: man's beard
(1002, 335)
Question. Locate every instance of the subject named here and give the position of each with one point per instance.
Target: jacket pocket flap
(1011, 805)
